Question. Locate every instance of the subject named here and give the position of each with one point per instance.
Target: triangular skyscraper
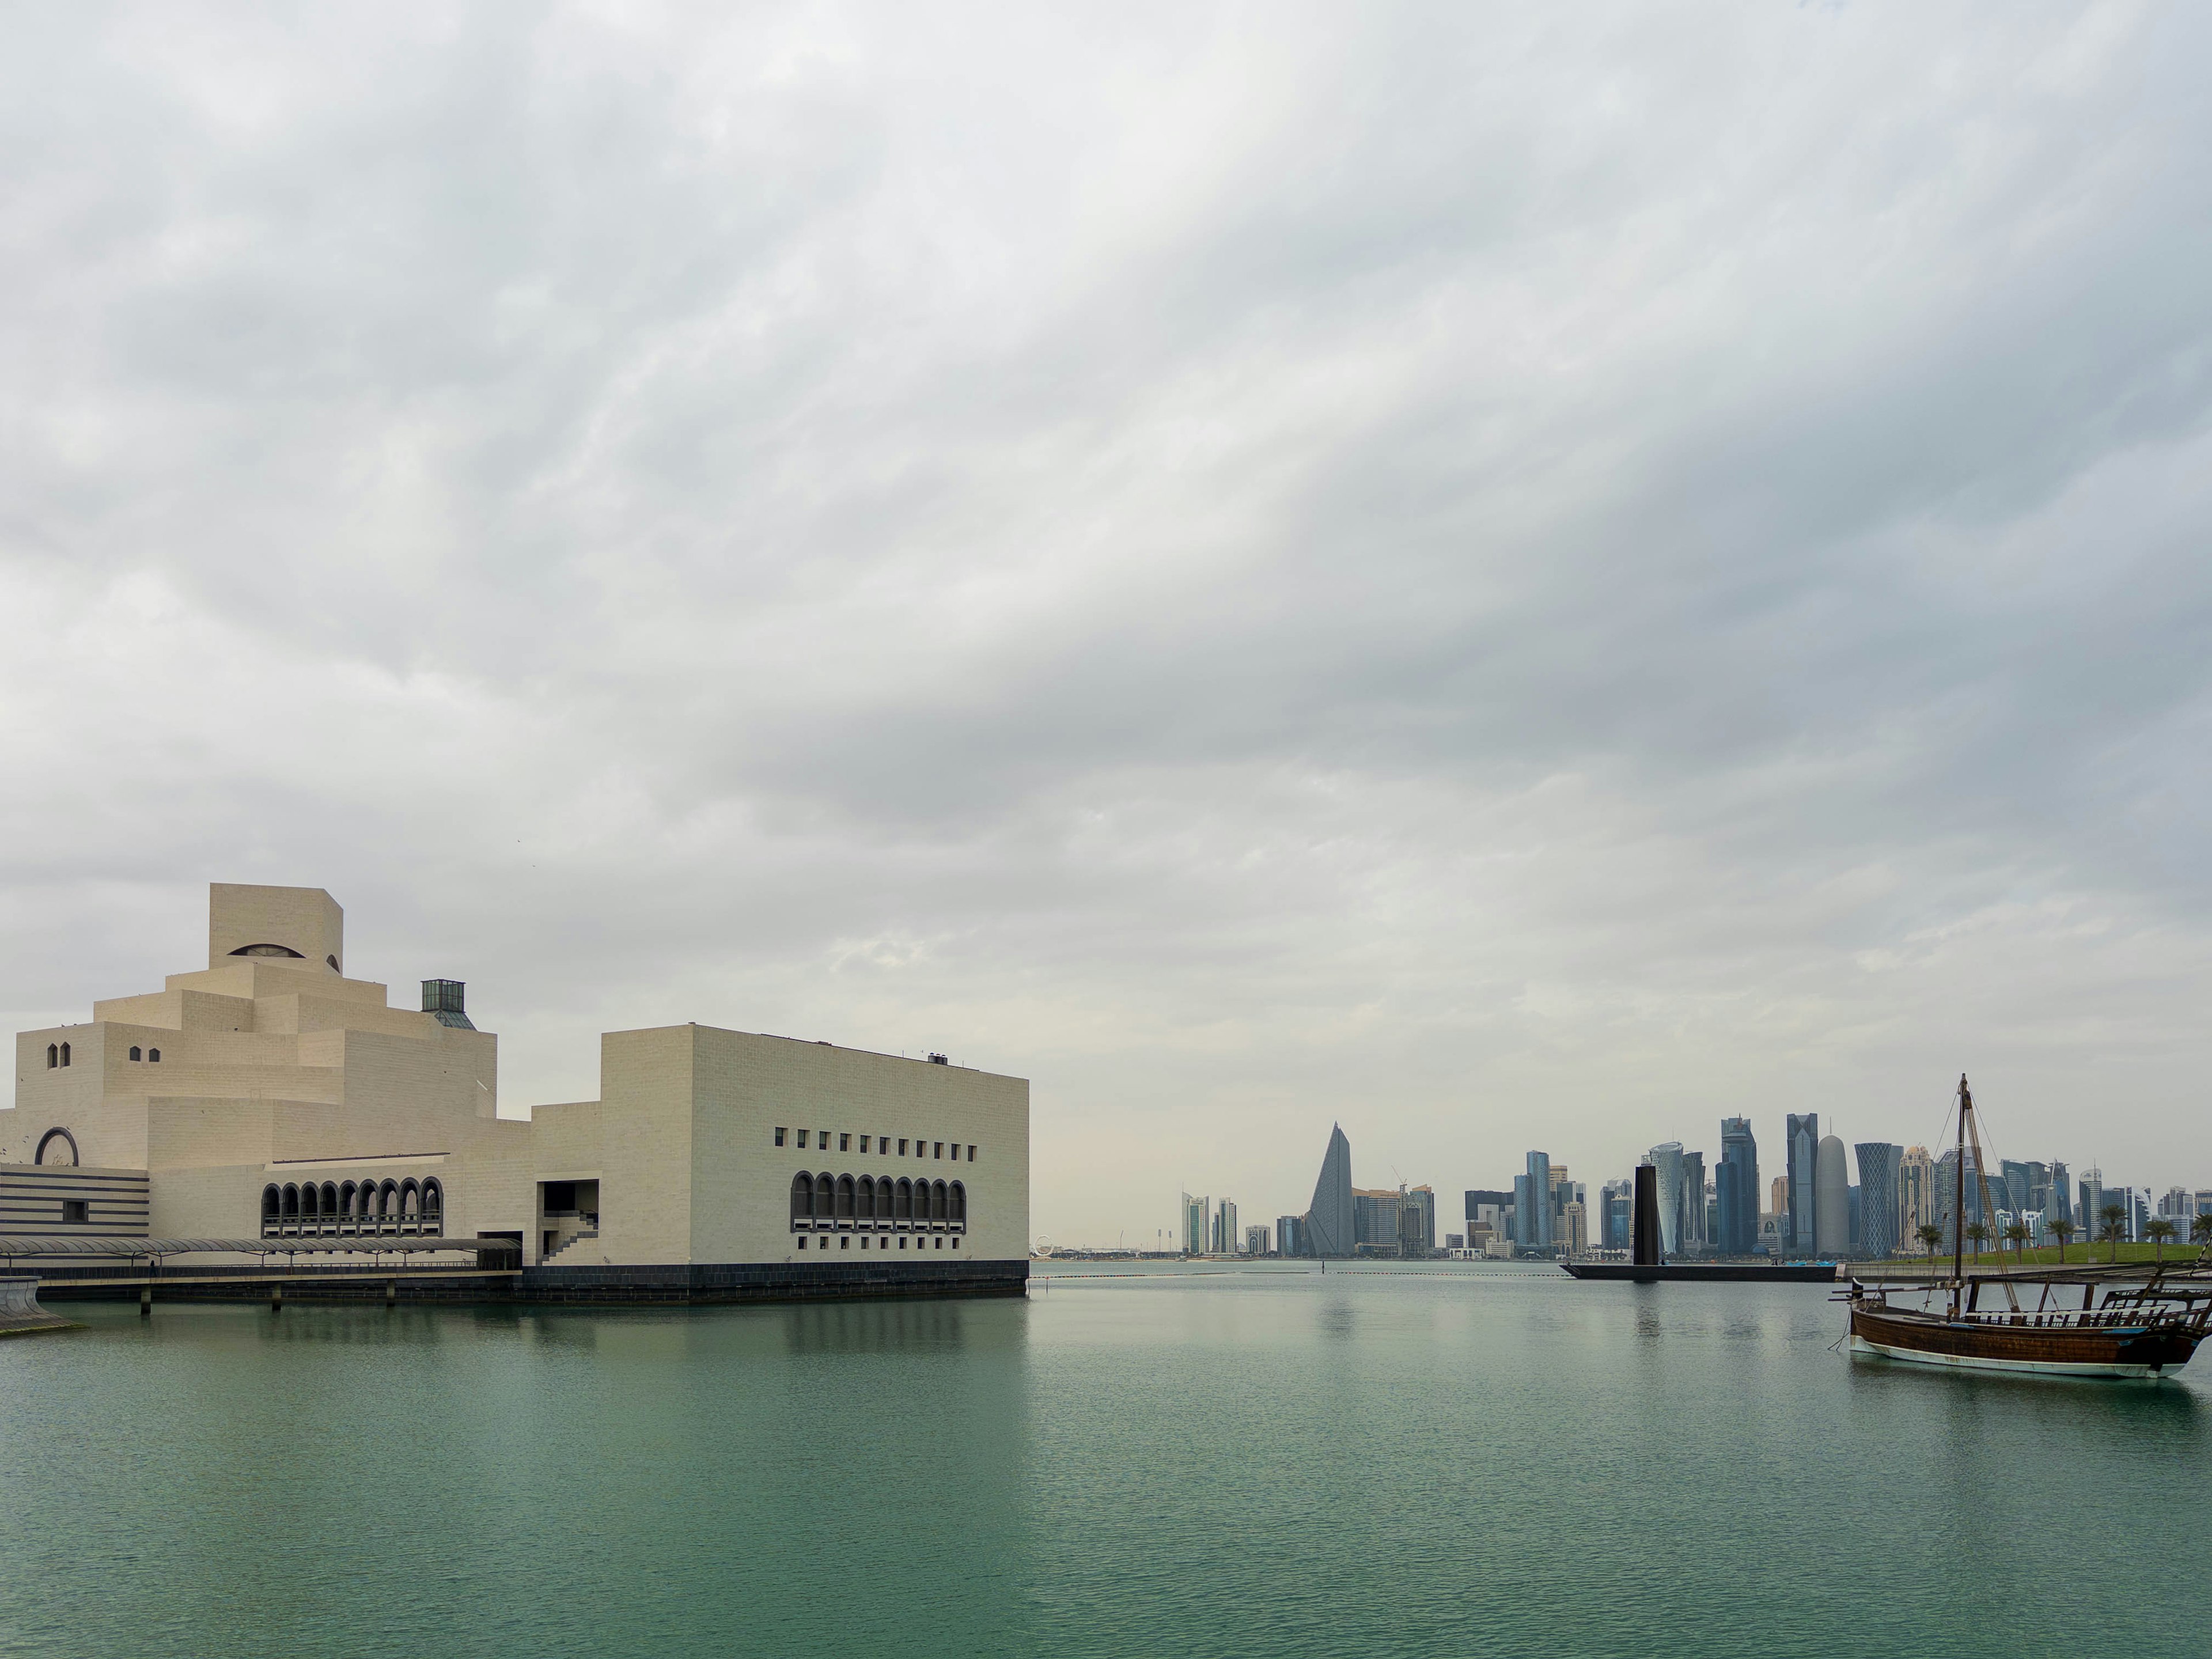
(1328, 1224)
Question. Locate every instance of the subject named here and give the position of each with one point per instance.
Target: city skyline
(1895, 1160)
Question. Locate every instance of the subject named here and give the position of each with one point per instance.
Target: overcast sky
(1507, 578)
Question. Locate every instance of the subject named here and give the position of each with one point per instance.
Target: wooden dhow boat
(2132, 1322)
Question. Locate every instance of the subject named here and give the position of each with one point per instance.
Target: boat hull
(2122, 1354)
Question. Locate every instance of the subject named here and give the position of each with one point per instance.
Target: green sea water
(1464, 1463)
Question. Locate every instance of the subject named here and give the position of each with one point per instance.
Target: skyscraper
(2089, 1213)
(1227, 1239)
(1693, 1201)
(1486, 1213)
(1878, 1172)
(1831, 1205)
(1290, 1238)
(1915, 1196)
(1196, 1213)
(1801, 1145)
(1612, 1229)
(1328, 1223)
(1532, 1204)
(1738, 1193)
(1667, 1159)
(1417, 1220)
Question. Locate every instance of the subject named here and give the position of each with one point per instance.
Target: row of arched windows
(339, 1208)
(829, 1203)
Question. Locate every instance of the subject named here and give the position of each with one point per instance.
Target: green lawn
(2076, 1254)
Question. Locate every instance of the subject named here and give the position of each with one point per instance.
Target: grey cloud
(1515, 579)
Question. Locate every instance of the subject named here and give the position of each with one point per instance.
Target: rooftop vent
(939, 1060)
(442, 997)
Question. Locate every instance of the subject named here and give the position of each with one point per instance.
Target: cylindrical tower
(1833, 1207)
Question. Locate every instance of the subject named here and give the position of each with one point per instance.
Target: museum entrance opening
(568, 1211)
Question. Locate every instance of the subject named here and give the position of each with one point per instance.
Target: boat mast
(1959, 1203)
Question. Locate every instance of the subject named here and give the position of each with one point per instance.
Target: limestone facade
(268, 1095)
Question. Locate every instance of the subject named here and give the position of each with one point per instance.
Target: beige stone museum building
(271, 1098)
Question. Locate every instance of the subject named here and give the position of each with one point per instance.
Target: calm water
(1463, 1462)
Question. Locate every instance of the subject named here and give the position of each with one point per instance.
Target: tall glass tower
(1532, 1204)
(1801, 1145)
(1878, 1217)
(1737, 1192)
(1667, 1159)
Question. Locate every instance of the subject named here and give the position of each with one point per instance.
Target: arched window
(433, 1202)
(387, 1202)
(958, 1211)
(291, 1202)
(903, 1201)
(937, 1200)
(153, 1056)
(864, 1199)
(57, 1147)
(844, 1198)
(137, 1052)
(825, 1196)
(802, 1198)
(410, 1201)
(65, 1057)
(308, 1204)
(270, 1200)
(268, 950)
(346, 1192)
(330, 1198)
(54, 1056)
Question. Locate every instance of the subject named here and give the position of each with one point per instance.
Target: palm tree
(1980, 1234)
(2016, 1234)
(2063, 1226)
(2200, 1232)
(1929, 1237)
(2160, 1230)
(2113, 1215)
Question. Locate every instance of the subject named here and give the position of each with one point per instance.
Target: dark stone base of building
(670, 1285)
(797, 1281)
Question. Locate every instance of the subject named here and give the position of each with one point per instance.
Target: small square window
(802, 1241)
(73, 1209)
(135, 1053)
(844, 1142)
(901, 1243)
(971, 1154)
(845, 1241)
(940, 1244)
(822, 1139)
(779, 1135)
(802, 1140)
(864, 1143)
(955, 1243)
(902, 1146)
(153, 1056)
(941, 1149)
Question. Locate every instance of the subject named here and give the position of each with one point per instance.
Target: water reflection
(859, 1328)
(1336, 1321)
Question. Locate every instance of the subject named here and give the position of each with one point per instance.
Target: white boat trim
(1861, 1345)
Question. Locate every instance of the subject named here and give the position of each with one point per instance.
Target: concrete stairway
(568, 1244)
